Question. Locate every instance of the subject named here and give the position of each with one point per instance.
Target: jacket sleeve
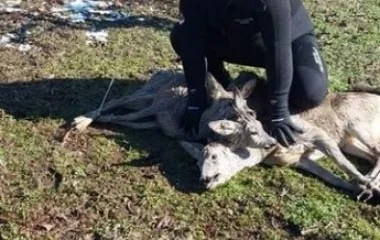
(193, 41)
(277, 36)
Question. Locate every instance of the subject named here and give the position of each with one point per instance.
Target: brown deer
(346, 122)
(163, 99)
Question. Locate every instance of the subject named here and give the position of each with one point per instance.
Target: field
(115, 183)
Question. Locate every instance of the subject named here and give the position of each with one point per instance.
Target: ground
(115, 183)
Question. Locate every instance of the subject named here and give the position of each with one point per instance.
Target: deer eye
(251, 113)
(253, 132)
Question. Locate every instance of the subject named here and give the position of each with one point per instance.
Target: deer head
(220, 163)
(237, 135)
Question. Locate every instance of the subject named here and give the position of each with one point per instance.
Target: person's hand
(190, 119)
(283, 129)
(194, 110)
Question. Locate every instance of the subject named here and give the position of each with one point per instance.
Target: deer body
(163, 100)
(344, 122)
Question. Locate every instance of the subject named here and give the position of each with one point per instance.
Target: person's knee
(316, 93)
(314, 98)
(312, 92)
(175, 36)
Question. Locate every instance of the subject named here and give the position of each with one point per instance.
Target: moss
(120, 183)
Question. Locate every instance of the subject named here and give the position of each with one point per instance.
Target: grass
(115, 183)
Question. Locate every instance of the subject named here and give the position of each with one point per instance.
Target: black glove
(193, 113)
(283, 130)
(190, 120)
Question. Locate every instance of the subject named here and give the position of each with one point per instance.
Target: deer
(162, 100)
(345, 123)
(219, 161)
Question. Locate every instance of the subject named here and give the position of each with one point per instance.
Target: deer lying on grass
(219, 162)
(164, 99)
(347, 122)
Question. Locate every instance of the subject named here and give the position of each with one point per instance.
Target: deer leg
(133, 103)
(331, 149)
(374, 174)
(369, 138)
(133, 116)
(134, 125)
(306, 161)
(315, 155)
(289, 156)
(310, 166)
(82, 122)
(354, 147)
(168, 124)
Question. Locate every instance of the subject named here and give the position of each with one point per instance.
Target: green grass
(117, 183)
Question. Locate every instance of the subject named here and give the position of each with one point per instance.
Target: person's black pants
(309, 85)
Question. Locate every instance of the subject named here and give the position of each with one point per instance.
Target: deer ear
(215, 89)
(225, 127)
(194, 149)
(239, 100)
(248, 88)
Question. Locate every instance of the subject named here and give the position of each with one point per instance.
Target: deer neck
(268, 154)
(249, 157)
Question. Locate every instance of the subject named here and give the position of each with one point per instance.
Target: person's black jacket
(278, 21)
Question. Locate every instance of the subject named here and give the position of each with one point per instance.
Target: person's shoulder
(191, 6)
(277, 5)
(186, 4)
(191, 2)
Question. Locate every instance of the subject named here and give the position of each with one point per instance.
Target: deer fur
(343, 123)
(163, 100)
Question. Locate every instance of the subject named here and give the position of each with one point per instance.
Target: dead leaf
(45, 226)
(165, 222)
(89, 236)
(148, 176)
(210, 230)
(62, 216)
(310, 230)
(275, 223)
(3, 220)
(130, 208)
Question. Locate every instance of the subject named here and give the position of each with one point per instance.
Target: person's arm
(192, 51)
(193, 48)
(277, 36)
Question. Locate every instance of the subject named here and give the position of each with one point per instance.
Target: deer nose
(270, 143)
(205, 180)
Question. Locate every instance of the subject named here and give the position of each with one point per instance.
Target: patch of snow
(10, 6)
(84, 10)
(10, 3)
(80, 11)
(9, 40)
(97, 36)
(78, 18)
(58, 9)
(24, 47)
(11, 9)
(75, 11)
(85, 5)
